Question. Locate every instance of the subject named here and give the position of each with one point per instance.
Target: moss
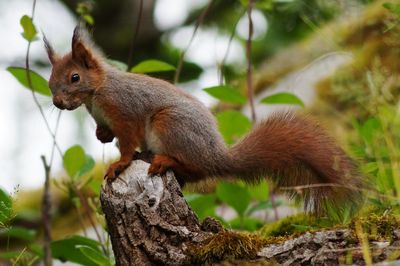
(293, 225)
(377, 227)
(229, 245)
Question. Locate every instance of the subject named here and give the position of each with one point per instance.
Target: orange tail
(294, 152)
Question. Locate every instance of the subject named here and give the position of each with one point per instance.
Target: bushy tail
(298, 155)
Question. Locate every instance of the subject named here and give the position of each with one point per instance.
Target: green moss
(293, 225)
(229, 245)
(377, 227)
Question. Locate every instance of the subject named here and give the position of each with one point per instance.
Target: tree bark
(150, 223)
(148, 219)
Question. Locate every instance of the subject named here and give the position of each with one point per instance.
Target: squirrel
(142, 111)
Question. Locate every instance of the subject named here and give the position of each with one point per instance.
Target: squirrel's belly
(153, 142)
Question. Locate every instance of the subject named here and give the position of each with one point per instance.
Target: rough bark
(150, 223)
(333, 247)
(148, 219)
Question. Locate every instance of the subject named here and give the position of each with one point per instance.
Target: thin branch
(46, 216)
(135, 34)
(199, 22)
(250, 90)
(223, 62)
(88, 211)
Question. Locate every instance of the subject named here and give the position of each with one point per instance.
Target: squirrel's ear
(80, 52)
(50, 51)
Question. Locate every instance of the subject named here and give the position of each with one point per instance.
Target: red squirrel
(141, 111)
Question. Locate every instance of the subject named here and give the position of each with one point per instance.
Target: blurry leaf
(369, 129)
(74, 160)
(232, 125)
(18, 232)
(262, 205)
(94, 185)
(202, 205)
(152, 65)
(260, 4)
(36, 249)
(369, 167)
(68, 249)
(95, 256)
(118, 64)
(394, 8)
(259, 191)
(246, 223)
(283, 98)
(226, 93)
(39, 84)
(29, 29)
(234, 195)
(5, 207)
(9, 255)
(190, 71)
(89, 19)
(87, 166)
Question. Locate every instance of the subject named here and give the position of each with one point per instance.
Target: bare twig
(273, 203)
(250, 91)
(46, 216)
(199, 22)
(88, 212)
(135, 34)
(223, 62)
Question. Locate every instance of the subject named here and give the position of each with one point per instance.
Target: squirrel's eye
(75, 78)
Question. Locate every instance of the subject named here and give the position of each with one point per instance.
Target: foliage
(374, 138)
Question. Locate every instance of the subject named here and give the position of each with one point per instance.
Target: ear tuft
(50, 51)
(82, 50)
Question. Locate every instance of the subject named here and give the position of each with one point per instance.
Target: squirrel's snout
(59, 102)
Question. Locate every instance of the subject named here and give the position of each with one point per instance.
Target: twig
(221, 77)
(250, 91)
(135, 34)
(199, 22)
(28, 76)
(46, 216)
(273, 203)
(85, 205)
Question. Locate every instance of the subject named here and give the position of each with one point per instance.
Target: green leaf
(74, 160)
(118, 64)
(235, 196)
(394, 8)
(370, 167)
(87, 166)
(18, 232)
(95, 256)
(5, 207)
(68, 249)
(232, 125)
(202, 205)
(259, 191)
(226, 93)
(370, 129)
(39, 84)
(152, 65)
(89, 19)
(246, 223)
(29, 28)
(283, 98)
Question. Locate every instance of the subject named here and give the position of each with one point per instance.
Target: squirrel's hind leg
(161, 163)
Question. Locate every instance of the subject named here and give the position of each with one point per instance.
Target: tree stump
(148, 219)
(150, 223)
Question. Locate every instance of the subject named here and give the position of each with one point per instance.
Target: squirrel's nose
(58, 102)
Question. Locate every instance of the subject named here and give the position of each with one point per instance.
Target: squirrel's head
(76, 76)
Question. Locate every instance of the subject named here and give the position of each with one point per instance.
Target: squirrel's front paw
(115, 170)
(104, 134)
